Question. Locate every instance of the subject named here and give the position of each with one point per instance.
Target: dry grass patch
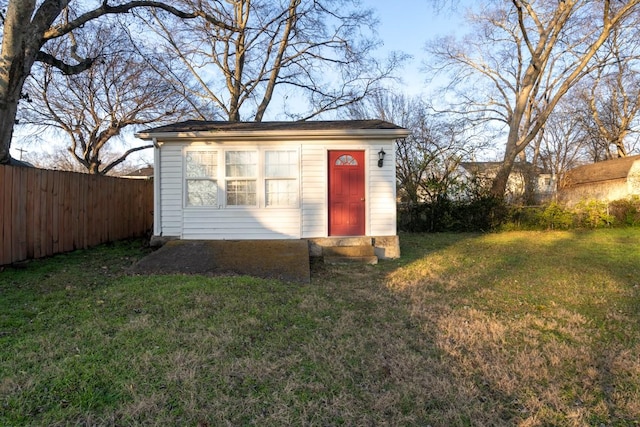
(540, 322)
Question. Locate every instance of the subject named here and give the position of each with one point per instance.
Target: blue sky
(406, 25)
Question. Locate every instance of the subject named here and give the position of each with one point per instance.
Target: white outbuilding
(322, 181)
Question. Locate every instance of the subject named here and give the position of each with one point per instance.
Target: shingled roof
(220, 126)
(601, 171)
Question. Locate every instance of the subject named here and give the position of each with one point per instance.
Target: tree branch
(123, 158)
(66, 69)
(105, 9)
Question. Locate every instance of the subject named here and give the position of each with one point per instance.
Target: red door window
(346, 193)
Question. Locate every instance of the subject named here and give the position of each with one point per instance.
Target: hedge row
(488, 213)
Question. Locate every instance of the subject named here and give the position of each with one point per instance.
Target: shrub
(486, 213)
(480, 214)
(522, 218)
(626, 212)
(593, 214)
(555, 217)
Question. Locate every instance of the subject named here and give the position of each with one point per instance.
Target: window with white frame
(241, 170)
(281, 178)
(201, 178)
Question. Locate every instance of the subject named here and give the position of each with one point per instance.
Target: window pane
(281, 192)
(241, 163)
(241, 192)
(202, 164)
(346, 160)
(201, 192)
(281, 163)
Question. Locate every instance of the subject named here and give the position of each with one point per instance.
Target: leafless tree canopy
(27, 26)
(523, 57)
(313, 56)
(610, 98)
(563, 144)
(93, 108)
(427, 161)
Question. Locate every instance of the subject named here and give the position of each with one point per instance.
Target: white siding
(218, 224)
(171, 189)
(382, 192)
(314, 191)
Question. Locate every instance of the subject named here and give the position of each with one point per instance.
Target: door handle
(362, 199)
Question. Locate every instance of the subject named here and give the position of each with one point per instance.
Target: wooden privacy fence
(44, 212)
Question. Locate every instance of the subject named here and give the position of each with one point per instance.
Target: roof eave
(279, 135)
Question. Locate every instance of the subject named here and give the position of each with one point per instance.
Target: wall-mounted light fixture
(381, 155)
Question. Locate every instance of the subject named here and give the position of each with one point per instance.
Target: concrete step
(349, 251)
(338, 260)
(361, 254)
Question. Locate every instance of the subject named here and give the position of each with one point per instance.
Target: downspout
(157, 213)
(394, 185)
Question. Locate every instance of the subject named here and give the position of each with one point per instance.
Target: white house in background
(543, 182)
(315, 180)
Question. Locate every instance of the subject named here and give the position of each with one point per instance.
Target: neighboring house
(543, 182)
(276, 180)
(142, 173)
(608, 180)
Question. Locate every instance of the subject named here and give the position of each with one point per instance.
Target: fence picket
(18, 205)
(5, 215)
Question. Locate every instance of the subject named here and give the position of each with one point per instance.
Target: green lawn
(514, 328)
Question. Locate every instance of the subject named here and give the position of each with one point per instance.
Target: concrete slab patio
(286, 260)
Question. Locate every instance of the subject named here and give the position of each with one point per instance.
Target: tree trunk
(7, 120)
(19, 49)
(94, 168)
(10, 92)
(619, 143)
(499, 184)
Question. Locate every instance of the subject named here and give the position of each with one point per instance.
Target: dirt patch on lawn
(286, 260)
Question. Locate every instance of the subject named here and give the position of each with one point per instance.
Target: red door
(346, 193)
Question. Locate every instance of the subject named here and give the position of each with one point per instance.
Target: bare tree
(521, 60)
(27, 26)
(318, 50)
(60, 160)
(427, 160)
(93, 108)
(563, 143)
(611, 99)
